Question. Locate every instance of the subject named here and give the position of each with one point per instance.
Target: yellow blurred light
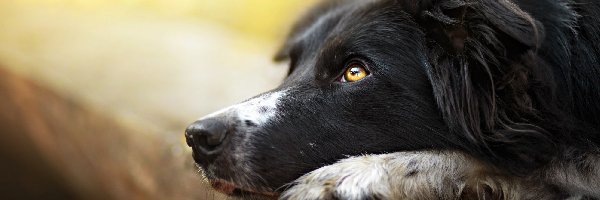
(263, 18)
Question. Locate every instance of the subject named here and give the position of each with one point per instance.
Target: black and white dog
(420, 99)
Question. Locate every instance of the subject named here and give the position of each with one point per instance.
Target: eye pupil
(355, 70)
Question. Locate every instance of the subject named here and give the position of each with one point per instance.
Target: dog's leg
(413, 175)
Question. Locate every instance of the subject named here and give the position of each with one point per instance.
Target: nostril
(215, 138)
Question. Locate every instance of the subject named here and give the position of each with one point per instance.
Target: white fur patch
(258, 110)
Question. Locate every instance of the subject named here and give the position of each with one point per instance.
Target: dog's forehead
(332, 16)
(320, 44)
(349, 21)
(324, 19)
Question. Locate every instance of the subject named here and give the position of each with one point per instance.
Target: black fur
(515, 84)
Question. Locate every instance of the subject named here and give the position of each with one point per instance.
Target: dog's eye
(354, 72)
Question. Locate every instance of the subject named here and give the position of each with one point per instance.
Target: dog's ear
(509, 18)
(482, 56)
(452, 22)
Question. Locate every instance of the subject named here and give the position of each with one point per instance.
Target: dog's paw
(406, 175)
(352, 178)
(414, 175)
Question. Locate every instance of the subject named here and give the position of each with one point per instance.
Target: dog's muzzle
(220, 146)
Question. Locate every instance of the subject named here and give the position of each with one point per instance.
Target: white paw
(406, 175)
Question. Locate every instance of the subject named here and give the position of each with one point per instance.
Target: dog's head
(379, 76)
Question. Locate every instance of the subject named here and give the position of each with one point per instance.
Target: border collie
(420, 99)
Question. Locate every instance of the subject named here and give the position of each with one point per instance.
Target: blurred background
(95, 95)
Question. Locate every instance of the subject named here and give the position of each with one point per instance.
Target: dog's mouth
(231, 189)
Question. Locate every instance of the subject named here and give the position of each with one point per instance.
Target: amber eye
(355, 72)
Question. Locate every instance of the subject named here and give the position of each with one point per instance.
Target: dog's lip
(229, 188)
(223, 186)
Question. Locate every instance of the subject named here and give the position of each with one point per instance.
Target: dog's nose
(206, 137)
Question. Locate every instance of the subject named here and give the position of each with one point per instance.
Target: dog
(420, 99)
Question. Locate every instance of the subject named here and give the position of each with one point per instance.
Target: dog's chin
(231, 189)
